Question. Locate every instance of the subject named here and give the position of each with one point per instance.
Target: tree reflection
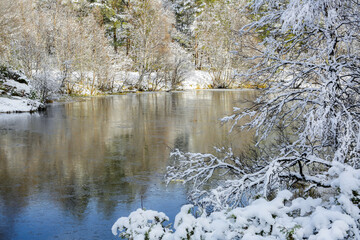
(106, 150)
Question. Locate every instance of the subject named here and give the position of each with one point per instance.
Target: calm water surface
(70, 172)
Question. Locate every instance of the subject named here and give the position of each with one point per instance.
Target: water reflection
(71, 171)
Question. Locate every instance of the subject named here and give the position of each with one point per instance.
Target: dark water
(70, 172)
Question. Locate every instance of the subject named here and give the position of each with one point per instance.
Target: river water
(71, 171)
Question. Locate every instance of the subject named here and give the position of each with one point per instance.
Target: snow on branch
(307, 124)
(310, 65)
(284, 217)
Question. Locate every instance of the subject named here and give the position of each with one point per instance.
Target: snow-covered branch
(307, 116)
(284, 217)
(307, 122)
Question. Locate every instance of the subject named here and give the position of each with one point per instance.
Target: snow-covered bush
(284, 217)
(141, 224)
(45, 84)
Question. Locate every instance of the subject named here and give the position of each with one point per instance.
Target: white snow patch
(197, 80)
(17, 104)
(20, 87)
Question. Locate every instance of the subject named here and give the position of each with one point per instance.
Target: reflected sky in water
(70, 172)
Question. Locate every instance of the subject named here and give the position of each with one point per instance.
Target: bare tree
(309, 60)
(150, 40)
(56, 41)
(218, 42)
(9, 19)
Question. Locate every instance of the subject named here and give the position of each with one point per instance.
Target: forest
(92, 47)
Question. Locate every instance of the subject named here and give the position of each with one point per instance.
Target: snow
(347, 179)
(15, 84)
(20, 87)
(197, 80)
(308, 61)
(17, 104)
(281, 218)
(194, 79)
(140, 223)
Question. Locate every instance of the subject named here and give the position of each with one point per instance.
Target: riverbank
(16, 93)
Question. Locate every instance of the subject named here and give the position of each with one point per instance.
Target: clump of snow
(125, 80)
(197, 80)
(20, 87)
(141, 223)
(84, 90)
(15, 92)
(347, 178)
(18, 104)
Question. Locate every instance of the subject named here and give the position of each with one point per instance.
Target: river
(71, 171)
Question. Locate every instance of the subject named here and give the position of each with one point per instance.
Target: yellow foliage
(177, 180)
(253, 85)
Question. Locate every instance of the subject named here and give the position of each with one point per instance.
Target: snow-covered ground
(15, 91)
(196, 80)
(14, 94)
(193, 79)
(18, 104)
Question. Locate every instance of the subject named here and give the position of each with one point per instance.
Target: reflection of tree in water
(75, 199)
(10, 206)
(106, 150)
(182, 142)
